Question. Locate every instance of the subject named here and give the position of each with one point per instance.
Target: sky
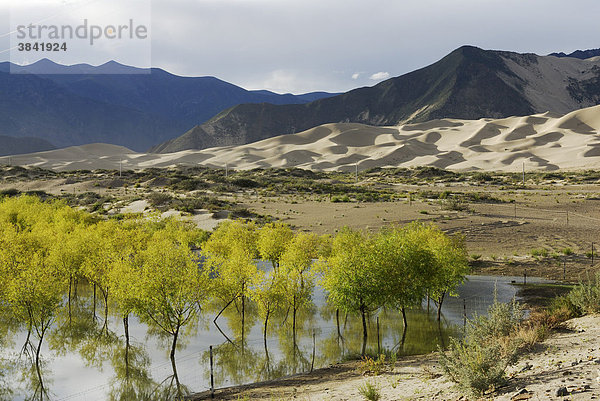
(300, 46)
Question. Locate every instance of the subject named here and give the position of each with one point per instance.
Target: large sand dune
(540, 142)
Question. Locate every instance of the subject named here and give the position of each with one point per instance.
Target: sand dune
(541, 142)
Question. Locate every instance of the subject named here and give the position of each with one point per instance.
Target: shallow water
(82, 360)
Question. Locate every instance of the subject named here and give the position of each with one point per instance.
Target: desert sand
(537, 142)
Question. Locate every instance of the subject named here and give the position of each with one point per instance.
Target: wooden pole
(312, 364)
(212, 377)
(378, 341)
(464, 315)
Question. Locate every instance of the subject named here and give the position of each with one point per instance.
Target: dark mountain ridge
(114, 103)
(469, 83)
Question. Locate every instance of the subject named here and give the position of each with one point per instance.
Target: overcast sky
(333, 45)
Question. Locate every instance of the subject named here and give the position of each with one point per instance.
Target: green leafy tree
(298, 278)
(32, 288)
(172, 286)
(230, 253)
(351, 278)
(273, 239)
(405, 265)
(269, 296)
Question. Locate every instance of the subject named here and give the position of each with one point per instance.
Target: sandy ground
(569, 358)
(504, 242)
(538, 142)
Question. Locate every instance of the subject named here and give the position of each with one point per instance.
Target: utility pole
(226, 170)
(120, 167)
(356, 171)
(523, 173)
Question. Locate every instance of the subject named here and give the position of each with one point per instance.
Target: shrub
(477, 364)
(159, 199)
(369, 391)
(554, 315)
(586, 296)
(454, 204)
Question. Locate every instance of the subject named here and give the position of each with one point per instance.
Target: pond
(86, 358)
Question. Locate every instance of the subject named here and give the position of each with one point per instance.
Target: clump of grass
(337, 199)
(369, 391)
(567, 251)
(476, 256)
(542, 252)
(373, 366)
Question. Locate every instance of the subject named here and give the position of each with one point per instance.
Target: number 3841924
(42, 47)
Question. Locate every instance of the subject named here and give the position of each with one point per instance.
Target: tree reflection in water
(249, 357)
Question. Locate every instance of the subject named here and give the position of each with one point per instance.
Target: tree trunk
(337, 320)
(265, 341)
(126, 328)
(174, 366)
(243, 315)
(403, 338)
(94, 306)
(441, 335)
(403, 316)
(174, 344)
(364, 323)
(70, 285)
(294, 324)
(439, 309)
(37, 360)
(106, 309)
(222, 310)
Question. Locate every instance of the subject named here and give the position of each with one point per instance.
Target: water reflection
(98, 361)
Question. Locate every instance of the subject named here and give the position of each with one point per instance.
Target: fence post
(525, 278)
(312, 364)
(464, 315)
(564, 270)
(212, 377)
(378, 342)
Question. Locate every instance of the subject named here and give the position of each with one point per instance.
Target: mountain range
(61, 105)
(46, 105)
(580, 54)
(469, 83)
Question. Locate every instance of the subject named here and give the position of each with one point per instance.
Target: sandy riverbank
(569, 358)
